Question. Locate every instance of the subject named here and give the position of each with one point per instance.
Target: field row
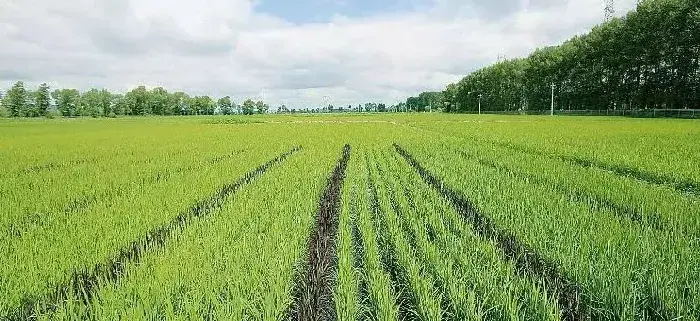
(403, 226)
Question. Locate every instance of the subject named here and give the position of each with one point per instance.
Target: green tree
(119, 105)
(207, 105)
(3, 109)
(248, 107)
(225, 105)
(30, 110)
(15, 100)
(647, 59)
(137, 101)
(180, 104)
(105, 103)
(203, 105)
(414, 104)
(67, 101)
(42, 100)
(261, 107)
(90, 103)
(429, 101)
(158, 101)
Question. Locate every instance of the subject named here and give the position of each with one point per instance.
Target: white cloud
(224, 47)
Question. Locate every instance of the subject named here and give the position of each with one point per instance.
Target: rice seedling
(373, 217)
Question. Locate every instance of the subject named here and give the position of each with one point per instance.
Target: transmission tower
(609, 9)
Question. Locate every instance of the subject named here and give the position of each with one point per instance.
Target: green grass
(609, 202)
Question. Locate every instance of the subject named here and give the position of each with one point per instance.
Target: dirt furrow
(622, 211)
(570, 296)
(83, 284)
(313, 294)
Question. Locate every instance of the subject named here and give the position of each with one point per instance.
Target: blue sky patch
(309, 11)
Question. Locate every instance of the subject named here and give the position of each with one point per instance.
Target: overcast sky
(297, 52)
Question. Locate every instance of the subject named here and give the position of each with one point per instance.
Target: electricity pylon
(609, 9)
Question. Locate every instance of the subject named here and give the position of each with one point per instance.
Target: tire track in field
(412, 239)
(51, 165)
(653, 304)
(33, 221)
(683, 186)
(569, 295)
(574, 303)
(431, 237)
(622, 211)
(313, 299)
(686, 187)
(83, 284)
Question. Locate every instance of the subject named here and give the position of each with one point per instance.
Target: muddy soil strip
(431, 235)
(313, 295)
(82, 202)
(409, 231)
(654, 306)
(684, 186)
(83, 284)
(50, 166)
(622, 211)
(570, 297)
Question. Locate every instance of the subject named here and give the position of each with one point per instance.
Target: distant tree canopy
(16, 101)
(140, 101)
(648, 59)
(225, 105)
(427, 101)
(20, 102)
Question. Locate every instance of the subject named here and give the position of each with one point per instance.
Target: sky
(301, 53)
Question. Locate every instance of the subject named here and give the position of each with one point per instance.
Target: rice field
(350, 217)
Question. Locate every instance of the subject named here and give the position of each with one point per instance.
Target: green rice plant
(468, 270)
(377, 297)
(161, 218)
(657, 207)
(628, 271)
(421, 297)
(235, 264)
(348, 306)
(45, 258)
(657, 150)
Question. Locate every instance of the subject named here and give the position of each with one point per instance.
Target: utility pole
(479, 104)
(552, 112)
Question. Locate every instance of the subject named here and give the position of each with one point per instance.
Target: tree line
(140, 101)
(649, 59)
(20, 102)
